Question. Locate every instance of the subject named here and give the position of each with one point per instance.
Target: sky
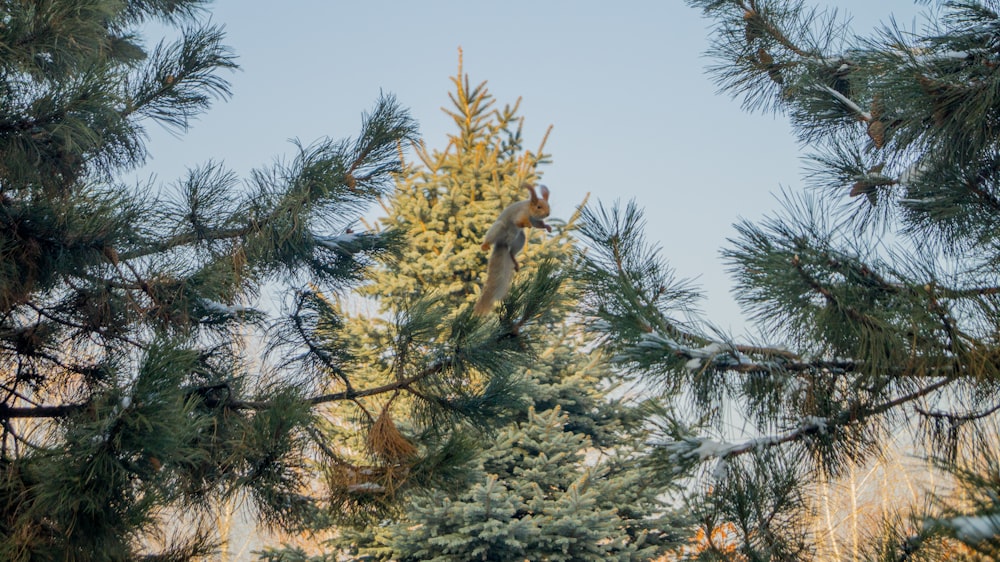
(634, 114)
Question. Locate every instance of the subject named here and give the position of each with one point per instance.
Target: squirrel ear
(544, 191)
(531, 190)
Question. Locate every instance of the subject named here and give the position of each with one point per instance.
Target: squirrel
(507, 238)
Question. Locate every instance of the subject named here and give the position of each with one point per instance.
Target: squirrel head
(539, 206)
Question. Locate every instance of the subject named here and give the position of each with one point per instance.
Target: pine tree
(876, 292)
(132, 395)
(501, 504)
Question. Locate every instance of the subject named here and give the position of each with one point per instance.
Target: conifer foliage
(534, 499)
(876, 292)
(131, 394)
(410, 329)
(526, 488)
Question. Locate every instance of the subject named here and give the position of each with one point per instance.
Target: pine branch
(834, 301)
(34, 412)
(306, 336)
(180, 80)
(167, 11)
(64, 410)
(958, 419)
(850, 104)
(187, 239)
(855, 414)
(402, 384)
(752, 17)
(85, 329)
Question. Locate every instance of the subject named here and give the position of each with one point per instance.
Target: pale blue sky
(623, 84)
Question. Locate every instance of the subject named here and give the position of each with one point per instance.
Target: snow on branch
(366, 487)
(867, 116)
(216, 308)
(714, 352)
(340, 243)
(703, 449)
(913, 173)
(923, 58)
(728, 356)
(971, 528)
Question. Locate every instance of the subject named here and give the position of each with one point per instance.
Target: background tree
(545, 499)
(876, 293)
(129, 393)
(533, 498)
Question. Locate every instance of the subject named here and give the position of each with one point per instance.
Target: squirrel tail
(499, 276)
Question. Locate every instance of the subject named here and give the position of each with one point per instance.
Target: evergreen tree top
(519, 491)
(446, 201)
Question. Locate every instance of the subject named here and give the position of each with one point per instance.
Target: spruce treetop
(523, 488)
(447, 199)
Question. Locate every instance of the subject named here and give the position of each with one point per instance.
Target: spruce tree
(534, 498)
(876, 291)
(132, 393)
(531, 493)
